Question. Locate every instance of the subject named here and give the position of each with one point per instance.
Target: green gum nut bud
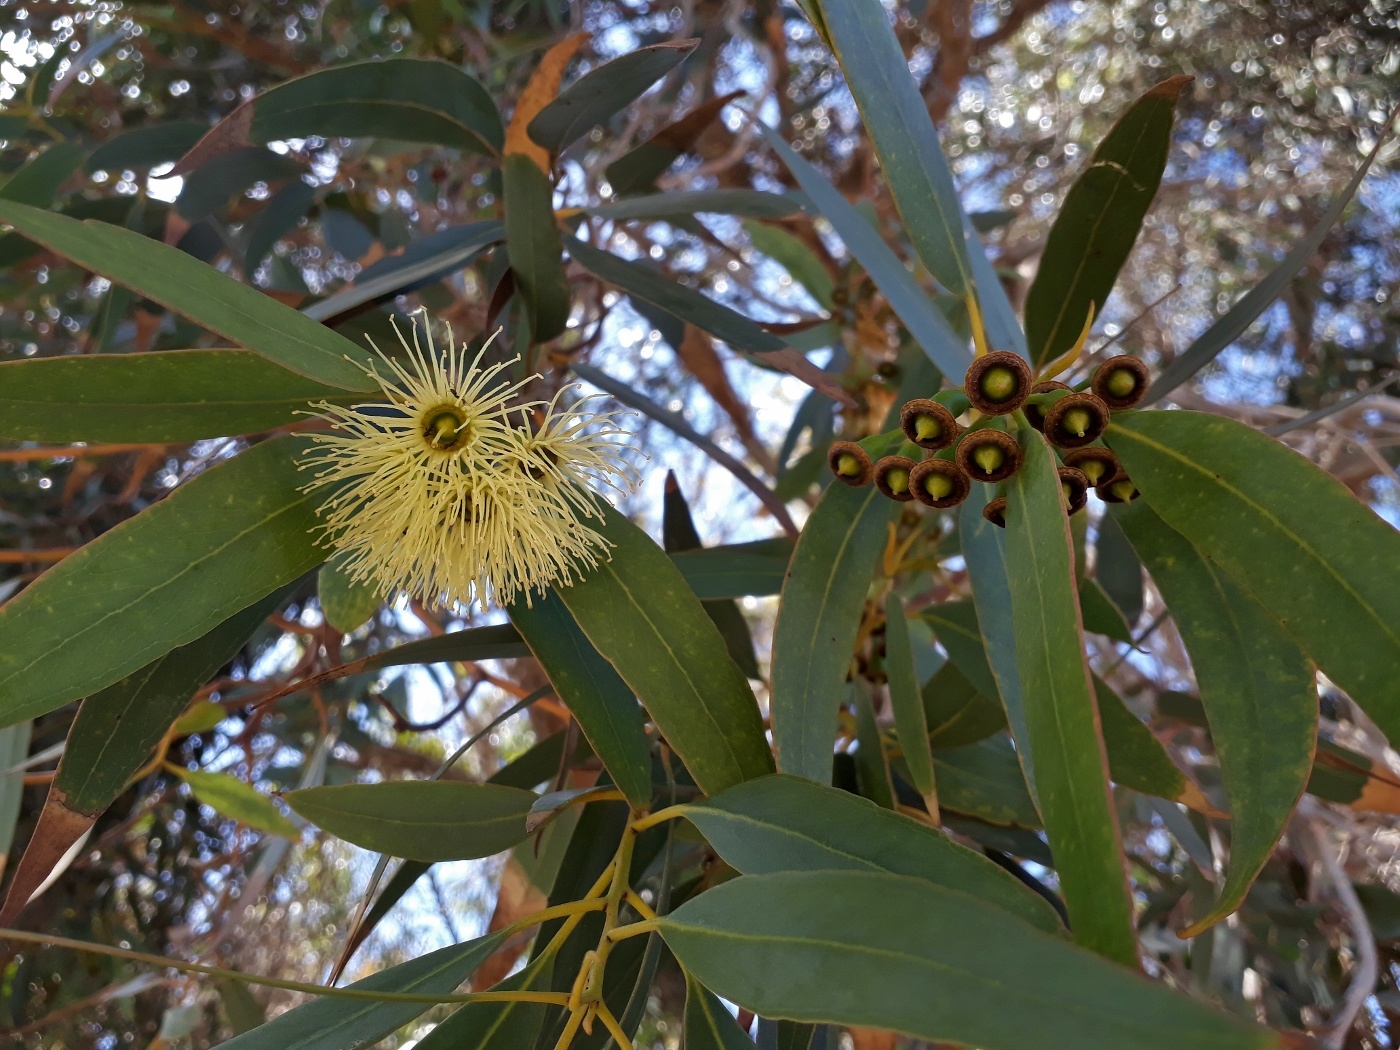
(1121, 382)
(892, 477)
(995, 512)
(1120, 490)
(849, 462)
(928, 424)
(1099, 465)
(998, 383)
(988, 455)
(1076, 420)
(939, 483)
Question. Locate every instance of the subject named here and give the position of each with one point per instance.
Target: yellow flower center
(445, 428)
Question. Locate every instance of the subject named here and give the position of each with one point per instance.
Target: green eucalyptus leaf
(173, 395)
(1071, 769)
(901, 953)
(596, 96)
(1099, 221)
(984, 780)
(346, 602)
(818, 616)
(787, 823)
(607, 712)
(1317, 558)
(231, 797)
(907, 703)
(759, 204)
(736, 570)
(38, 179)
(535, 246)
(1258, 690)
(641, 615)
(169, 575)
(337, 1023)
(427, 820)
(708, 1024)
(196, 290)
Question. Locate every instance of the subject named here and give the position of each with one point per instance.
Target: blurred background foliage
(100, 98)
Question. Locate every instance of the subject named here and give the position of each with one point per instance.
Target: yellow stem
(610, 1023)
(979, 331)
(659, 817)
(570, 1030)
(642, 907)
(636, 929)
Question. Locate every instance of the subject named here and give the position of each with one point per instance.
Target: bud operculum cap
(1121, 382)
(850, 463)
(1035, 414)
(988, 455)
(1100, 465)
(995, 512)
(928, 424)
(892, 477)
(1075, 487)
(939, 483)
(998, 383)
(1076, 420)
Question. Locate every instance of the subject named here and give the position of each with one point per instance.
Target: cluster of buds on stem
(998, 385)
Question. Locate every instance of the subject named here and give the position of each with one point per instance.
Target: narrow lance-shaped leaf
(818, 617)
(173, 395)
(1062, 730)
(984, 548)
(910, 303)
(593, 98)
(902, 132)
(639, 613)
(427, 820)
(234, 798)
(346, 602)
(607, 712)
(908, 705)
(708, 1024)
(1099, 221)
(1000, 983)
(1316, 557)
(787, 823)
(169, 575)
(535, 246)
(1258, 690)
(335, 1023)
(196, 290)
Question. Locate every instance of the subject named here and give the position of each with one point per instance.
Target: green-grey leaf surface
(907, 703)
(490, 1026)
(346, 602)
(1101, 616)
(1071, 768)
(818, 616)
(639, 612)
(1136, 758)
(607, 712)
(1118, 570)
(650, 285)
(497, 641)
(984, 549)
(196, 290)
(955, 625)
(794, 255)
(173, 395)
(1099, 221)
(736, 570)
(1316, 557)
(428, 820)
(535, 247)
(146, 146)
(116, 728)
(1257, 687)
(38, 179)
(787, 823)
(902, 133)
(405, 99)
(14, 749)
(984, 780)
(232, 797)
(903, 954)
(957, 712)
(708, 1024)
(910, 302)
(167, 576)
(340, 1024)
(758, 204)
(593, 98)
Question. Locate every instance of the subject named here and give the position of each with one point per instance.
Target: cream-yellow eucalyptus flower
(448, 492)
